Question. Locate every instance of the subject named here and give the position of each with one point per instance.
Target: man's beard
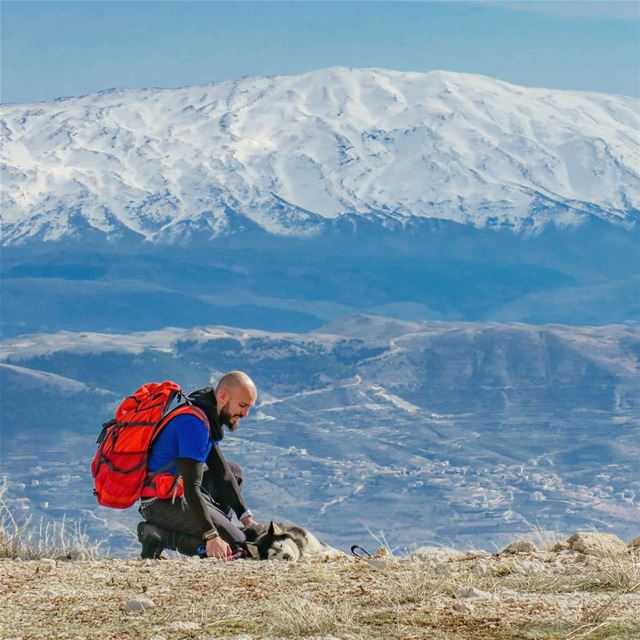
(232, 422)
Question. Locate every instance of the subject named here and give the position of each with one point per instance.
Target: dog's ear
(252, 548)
(275, 529)
(253, 532)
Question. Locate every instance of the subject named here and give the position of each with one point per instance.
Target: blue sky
(52, 49)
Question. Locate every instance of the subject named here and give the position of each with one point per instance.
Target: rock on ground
(138, 604)
(520, 546)
(597, 544)
(435, 555)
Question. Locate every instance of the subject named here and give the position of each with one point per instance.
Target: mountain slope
(287, 153)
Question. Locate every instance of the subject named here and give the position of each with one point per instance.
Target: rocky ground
(586, 587)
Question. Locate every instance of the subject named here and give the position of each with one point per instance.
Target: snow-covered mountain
(289, 153)
(446, 432)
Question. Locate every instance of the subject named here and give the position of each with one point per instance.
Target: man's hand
(218, 548)
(248, 521)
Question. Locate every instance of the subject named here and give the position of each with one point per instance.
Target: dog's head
(271, 543)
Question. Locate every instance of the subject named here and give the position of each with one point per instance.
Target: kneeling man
(198, 515)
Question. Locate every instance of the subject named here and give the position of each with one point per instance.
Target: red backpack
(119, 468)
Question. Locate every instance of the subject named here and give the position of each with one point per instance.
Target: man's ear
(252, 548)
(221, 397)
(275, 529)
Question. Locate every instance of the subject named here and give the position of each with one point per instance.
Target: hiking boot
(152, 542)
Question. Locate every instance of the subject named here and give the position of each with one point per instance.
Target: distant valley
(429, 432)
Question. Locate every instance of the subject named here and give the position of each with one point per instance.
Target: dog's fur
(280, 541)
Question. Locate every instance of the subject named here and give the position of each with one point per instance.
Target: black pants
(185, 533)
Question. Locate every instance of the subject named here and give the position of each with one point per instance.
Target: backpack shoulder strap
(183, 409)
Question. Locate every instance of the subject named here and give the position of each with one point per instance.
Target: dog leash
(356, 547)
(241, 554)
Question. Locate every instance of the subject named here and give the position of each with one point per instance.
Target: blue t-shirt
(185, 436)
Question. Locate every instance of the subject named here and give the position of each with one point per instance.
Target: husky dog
(280, 541)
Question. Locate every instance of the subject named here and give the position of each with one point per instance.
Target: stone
(85, 605)
(138, 604)
(46, 565)
(635, 543)
(528, 567)
(597, 544)
(435, 554)
(560, 546)
(375, 563)
(472, 554)
(520, 546)
(463, 607)
(480, 568)
(510, 598)
(469, 592)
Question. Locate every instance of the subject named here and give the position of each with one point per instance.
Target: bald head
(235, 379)
(235, 395)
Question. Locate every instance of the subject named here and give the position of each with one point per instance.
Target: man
(200, 518)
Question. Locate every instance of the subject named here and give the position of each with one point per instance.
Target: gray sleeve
(220, 483)
(192, 472)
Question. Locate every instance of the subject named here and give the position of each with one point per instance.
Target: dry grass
(347, 599)
(297, 617)
(620, 573)
(412, 582)
(27, 540)
(394, 598)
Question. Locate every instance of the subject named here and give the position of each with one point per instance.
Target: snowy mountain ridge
(291, 153)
